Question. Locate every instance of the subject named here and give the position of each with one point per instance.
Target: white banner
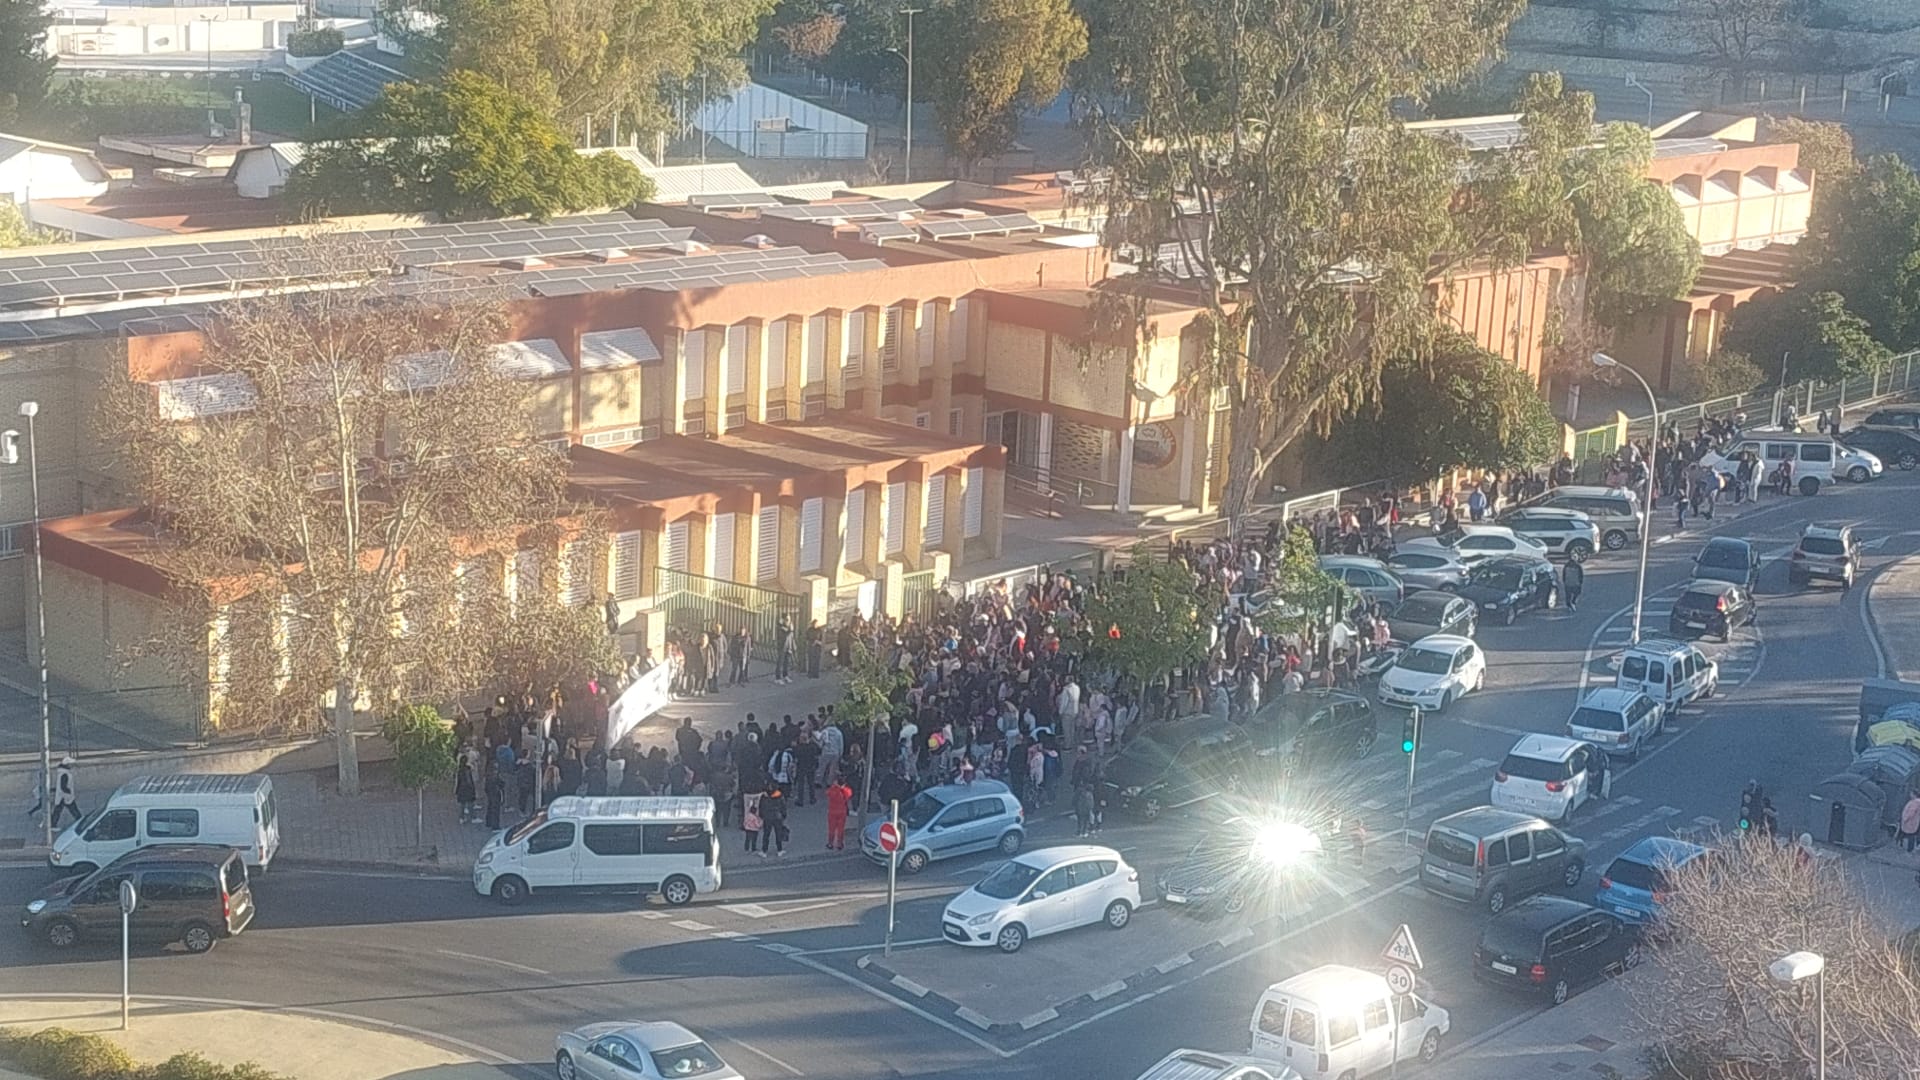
(648, 695)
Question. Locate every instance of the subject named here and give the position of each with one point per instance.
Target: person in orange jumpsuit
(839, 795)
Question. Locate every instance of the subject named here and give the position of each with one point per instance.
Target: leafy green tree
(1863, 242)
(576, 60)
(1826, 147)
(867, 700)
(1148, 621)
(1458, 406)
(1820, 337)
(1308, 595)
(464, 148)
(25, 65)
(1723, 374)
(994, 59)
(1635, 242)
(16, 231)
(423, 755)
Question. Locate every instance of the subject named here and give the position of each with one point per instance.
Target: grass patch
(59, 1054)
(79, 109)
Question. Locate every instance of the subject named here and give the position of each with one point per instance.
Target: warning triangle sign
(1402, 950)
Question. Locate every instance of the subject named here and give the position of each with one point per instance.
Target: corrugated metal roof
(659, 808)
(809, 192)
(196, 784)
(675, 183)
(607, 349)
(534, 358)
(201, 396)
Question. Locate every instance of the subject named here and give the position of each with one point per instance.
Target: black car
(1549, 944)
(192, 894)
(1711, 607)
(1431, 611)
(1502, 588)
(1177, 764)
(1219, 874)
(1728, 558)
(1314, 728)
(1894, 447)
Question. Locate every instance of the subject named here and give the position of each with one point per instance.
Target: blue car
(1637, 882)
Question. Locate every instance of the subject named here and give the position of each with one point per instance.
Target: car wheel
(563, 1066)
(1010, 842)
(1234, 904)
(1348, 1075)
(1119, 913)
(1859, 474)
(62, 933)
(197, 937)
(1560, 990)
(677, 891)
(1579, 551)
(1497, 900)
(1634, 754)
(913, 862)
(1809, 485)
(1907, 460)
(1446, 700)
(1430, 1048)
(1480, 681)
(1571, 876)
(1010, 938)
(1507, 616)
(1712, 689)
(1614, 540)
(510, 890)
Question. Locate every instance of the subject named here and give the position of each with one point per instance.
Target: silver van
(1490, 856)
(1616, 510)
(952, 819)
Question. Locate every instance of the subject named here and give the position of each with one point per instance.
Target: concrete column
(907, 336)
(795, 391)
(913, 543)
(1189, 433)
(992, 511)
(715, 410)
(699, 541)
(1123, 499)
(833, 539)
(756, 360)
(787, 577)
(746, 543)
(953, 540)
(874, 543)
(836, 327)
(676, 387)
(941, 312)
(893, 588)
(651, 542)
(872, 379)
(1043, 446)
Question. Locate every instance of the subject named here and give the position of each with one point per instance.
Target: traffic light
(1410, 733)
(1753, 802)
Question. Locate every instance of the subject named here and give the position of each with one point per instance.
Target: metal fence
(694, 603)
(920, 593)
(1765, 406)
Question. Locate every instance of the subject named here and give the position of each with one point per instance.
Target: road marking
(1611, 806)
(732, 935)
(1639, 823)
(696, 927)
(653, 914)
(491, 960)
(875, 947)
(752, 1049)
(862, 985)
(1484, 726)
(794, 907)
(1872, 629)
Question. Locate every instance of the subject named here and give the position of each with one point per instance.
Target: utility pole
(907, 171)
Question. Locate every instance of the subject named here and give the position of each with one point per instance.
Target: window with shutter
(576, 575)
(890, 339)
(959, 333)
(853, 342)
(934, 532)
(693, 365)
(766, 544)
(677, 546)
(923, 347)
(816, 343)
(896, 529)
(734, 360)
(976, 503)
(856, 545)
(720, 550)
(626, 565)
(526, 575)
(956, 419)
(810, 512)
(775, 355)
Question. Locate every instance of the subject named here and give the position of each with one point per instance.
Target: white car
(636, 1050)
(1618, 721)
(1044, 892)
(1474, 543)
(1434, 672)
(1548, 776)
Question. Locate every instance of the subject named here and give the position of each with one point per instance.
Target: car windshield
(1503, 578)
(1451, 538)
(1007, 882)
(1822, 545)
(1730, 556)
(1511, 938)
(1597, 719)
(526, 828)
(1425, 661)
(1636, 875)
(693, 1059)
(1449, 848)
(1527, 768)
(1420, 610)
(1416, 562)
(920, 810)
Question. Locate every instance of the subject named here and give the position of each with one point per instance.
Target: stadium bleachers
(346, 80)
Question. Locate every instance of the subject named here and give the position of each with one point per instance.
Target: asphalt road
(767, 968)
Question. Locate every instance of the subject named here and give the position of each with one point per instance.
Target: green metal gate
(921, 592)
(1596, 442)
(694, 603)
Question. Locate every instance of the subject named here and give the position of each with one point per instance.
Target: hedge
(59, 1054)
(319, 41)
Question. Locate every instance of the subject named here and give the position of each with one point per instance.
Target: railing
(694, 604)
(1901, 376)
(920, 593)
(1059, 488)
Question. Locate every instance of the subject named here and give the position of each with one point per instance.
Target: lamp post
(1793, 968)
(1637, 85)
(1886, 99)
(1601, 359)
(907, 169)
(31, 409)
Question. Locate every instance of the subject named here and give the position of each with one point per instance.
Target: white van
(1816, 458)
(1338, 1021)
(1672, 673)
(221, 809)
(662, 845)
(1206, 1065)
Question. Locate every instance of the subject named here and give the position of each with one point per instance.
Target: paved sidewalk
(294, 1044)
(1893, 602)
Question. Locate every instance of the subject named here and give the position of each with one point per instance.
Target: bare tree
(1713, 1011)
(1735, 35)
(343, 503)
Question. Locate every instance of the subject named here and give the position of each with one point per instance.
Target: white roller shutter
(626, 565)
(896, 536)
(890, 339)
(775, 356)
(734, 360)
(576, 575)
(677, 546)
(525, 581)
(958, 332)
(856, 546)
(693, 365)
(976, 502)
(934, 532)
(720, 550)
(766, 544)
(816, 350)
(853, 342)
(929, 323)
(810, 512)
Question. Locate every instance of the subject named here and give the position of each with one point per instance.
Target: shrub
(59, 1054)
(1725, 373)
(318, 41)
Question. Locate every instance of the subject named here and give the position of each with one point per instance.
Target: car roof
(1591, 490)
(1709, 585)
(1609, 697)
(1482, 820)
(956, 792)
(1662, 646)
(1441, 642)
(1178, 732)
(197, 784)
(1429, 595)
(1727, 542)
(1328, 981)
(1549, 511)
(1047, 858)
(1546, 747)
(652, 1034)
(1663, 850)
(206, 854)
(1517, 558)
(1826, 528)
(1352, 560)
(1544, 911)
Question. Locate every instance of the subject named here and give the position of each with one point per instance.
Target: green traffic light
(1745, 824)
(1406, 746)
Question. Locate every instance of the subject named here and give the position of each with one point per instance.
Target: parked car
(1207, 1065)
(193, 894)
(1428, 569)
(1728, 558)
(1178, 764)
(221, 809)
(1475, 543)
(1550, 945)
(1615, 509)
(1337, 1022)
(1621, 722)
(1491, 856)
(1431, 611)
(1636, 884)
(636, 1050)
(1562, 530)
(1899, 447)
(1547, 775)
(652, 844)
(1314, 729)
(1500, 589)
(1044, 892)
(1826, 550)
(1818, 459)
(1672, 673)
(952, 819)
(1368, 577)
(1218, 873)
(1434, 672)
(1894, 417)
(1711, 607)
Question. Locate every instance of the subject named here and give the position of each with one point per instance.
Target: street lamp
(10, 454)
(1798, 966)
(1601, 359)
(1637, 85)
(907, 171)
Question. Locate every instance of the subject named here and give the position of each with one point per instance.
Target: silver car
(1368, 577)
(1428, 569)
(636, 1050)
(1571, 533)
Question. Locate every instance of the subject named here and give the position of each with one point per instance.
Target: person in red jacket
(839, 795)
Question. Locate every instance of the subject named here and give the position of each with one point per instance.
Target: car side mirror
(1041, 895)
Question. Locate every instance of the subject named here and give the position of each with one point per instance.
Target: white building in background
(762, 122)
